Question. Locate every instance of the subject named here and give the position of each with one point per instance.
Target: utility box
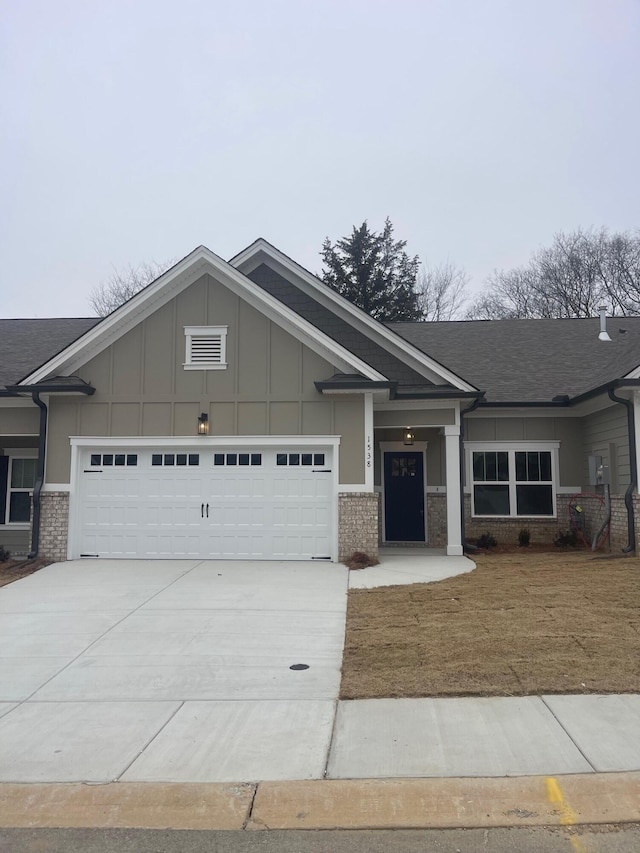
(598, 471)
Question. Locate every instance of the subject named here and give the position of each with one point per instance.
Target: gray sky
(133, 130)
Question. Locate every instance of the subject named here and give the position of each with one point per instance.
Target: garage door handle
(201, 510)
(207, 510)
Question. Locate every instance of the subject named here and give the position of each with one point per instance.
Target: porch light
(203, 424)
(408, 436)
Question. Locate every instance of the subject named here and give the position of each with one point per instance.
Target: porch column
(452, 463)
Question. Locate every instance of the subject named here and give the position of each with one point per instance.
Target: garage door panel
(220, 510)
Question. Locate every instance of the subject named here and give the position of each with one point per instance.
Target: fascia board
(633, 374)
(173, 282)
(253, 255)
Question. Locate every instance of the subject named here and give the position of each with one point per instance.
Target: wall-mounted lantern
(408, 437)
(203, 424)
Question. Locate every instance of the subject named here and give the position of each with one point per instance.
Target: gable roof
(531, 361)
(26, 344)
(173, 282)
(342, 320)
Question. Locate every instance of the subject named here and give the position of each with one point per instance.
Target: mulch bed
(13, 570)
(521, 623)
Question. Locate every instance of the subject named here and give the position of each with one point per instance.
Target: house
(242, 409)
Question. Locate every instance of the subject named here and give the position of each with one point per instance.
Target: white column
(452, 462)
(368, 442)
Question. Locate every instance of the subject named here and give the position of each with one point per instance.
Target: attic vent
(206, 347)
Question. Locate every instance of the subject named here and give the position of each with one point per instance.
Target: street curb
(470, 803)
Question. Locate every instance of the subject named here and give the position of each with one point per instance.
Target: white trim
(203, 440)
(353, 487)
(392, 342)
(169, 285)
(512, 447)
(399, 446)
(56, 487)
(191, 332)
(369, 438)
(16, 453)
(633, 374)
(515, 412)
(436, 490)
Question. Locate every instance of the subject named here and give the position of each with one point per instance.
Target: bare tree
(442, 291)
(571, 278)
(123, 284)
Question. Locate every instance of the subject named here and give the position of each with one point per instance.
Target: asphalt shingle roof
(530, 360)
(26, 344)
(335, 327)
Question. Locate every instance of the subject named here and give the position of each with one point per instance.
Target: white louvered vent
(206, 347)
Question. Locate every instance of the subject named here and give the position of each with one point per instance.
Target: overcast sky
(133, 130)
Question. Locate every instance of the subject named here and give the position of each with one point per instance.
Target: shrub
(360, 560)
(566, 539)
(487, 540)
(524, 537)
(4, 554)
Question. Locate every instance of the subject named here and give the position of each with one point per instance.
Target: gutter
(37, 489)
(630, 547)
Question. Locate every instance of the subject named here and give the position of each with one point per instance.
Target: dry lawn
(519, 624)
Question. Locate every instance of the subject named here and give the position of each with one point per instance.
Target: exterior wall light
(203, 424)
(408, 437)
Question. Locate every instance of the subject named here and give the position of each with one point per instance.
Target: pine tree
(374, 272)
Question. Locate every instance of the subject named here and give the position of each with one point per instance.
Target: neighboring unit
(244, 410)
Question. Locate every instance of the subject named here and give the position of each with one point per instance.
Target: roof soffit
(260, 251)
(171, 284)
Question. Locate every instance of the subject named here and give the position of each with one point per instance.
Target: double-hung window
(512, 478)
(21, 478)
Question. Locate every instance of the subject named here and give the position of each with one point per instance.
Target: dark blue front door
(403, 497)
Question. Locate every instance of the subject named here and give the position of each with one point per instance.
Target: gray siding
(267, 388)
(605, 434)
(568, 431)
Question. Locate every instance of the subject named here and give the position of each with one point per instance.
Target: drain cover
(299, 666)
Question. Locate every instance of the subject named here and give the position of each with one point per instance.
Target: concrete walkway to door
(122, 669)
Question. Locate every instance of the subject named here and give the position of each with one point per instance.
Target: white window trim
(192, 332)
(16, 453)
(511, 447)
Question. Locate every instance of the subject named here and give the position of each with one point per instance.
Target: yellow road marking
(567, 815)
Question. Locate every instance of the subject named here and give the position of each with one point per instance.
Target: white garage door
(259, 503)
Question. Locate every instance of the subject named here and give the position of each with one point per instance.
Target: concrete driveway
(170, 670)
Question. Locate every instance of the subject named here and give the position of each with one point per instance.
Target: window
(515, 481)
(237, 459)
(170, 459)
(206, 347)
(300, 459)
(21, 480)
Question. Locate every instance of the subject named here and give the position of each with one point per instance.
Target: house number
(369, 452)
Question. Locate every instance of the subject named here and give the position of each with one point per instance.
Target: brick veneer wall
(54, 525)
(543, 530)
(358, 523)
(436, 520)
(618, 536)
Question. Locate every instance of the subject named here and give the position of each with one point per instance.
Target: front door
(403, 497)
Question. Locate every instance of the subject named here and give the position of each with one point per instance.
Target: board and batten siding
(605, 434)
(267, 387)
(568, 431)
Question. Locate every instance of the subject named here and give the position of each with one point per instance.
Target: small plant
(360, 560)
(566, 539)
(524, 537)
(4, 554)
(486, 541)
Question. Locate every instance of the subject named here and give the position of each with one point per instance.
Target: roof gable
(262, 252)
(173, 282)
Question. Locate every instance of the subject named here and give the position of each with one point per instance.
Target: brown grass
(519, 624)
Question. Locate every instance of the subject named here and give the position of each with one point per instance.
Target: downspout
(37, 488)
(633, 468)
(470, 408)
